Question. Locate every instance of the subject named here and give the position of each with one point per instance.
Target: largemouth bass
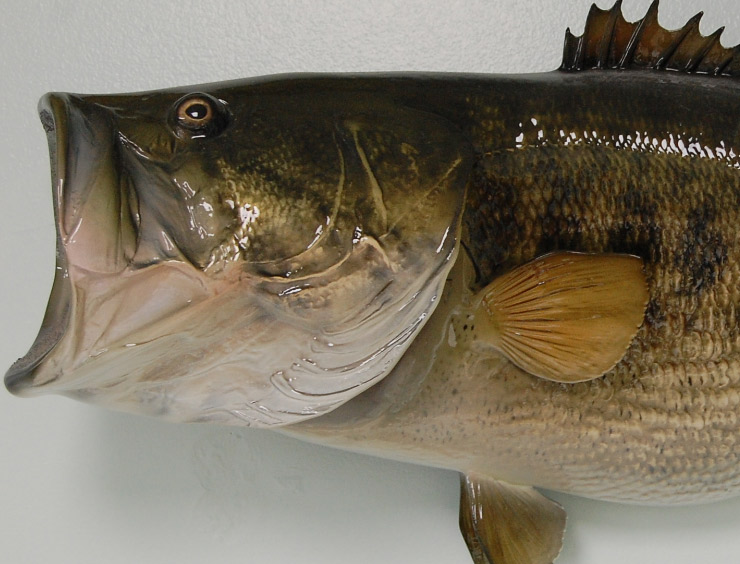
(528, 279)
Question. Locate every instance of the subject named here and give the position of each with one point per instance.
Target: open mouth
(19, 379)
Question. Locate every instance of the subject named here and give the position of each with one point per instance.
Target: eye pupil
(199, 115)
(197, 111)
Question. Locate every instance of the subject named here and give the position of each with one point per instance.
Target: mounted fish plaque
(530, 279)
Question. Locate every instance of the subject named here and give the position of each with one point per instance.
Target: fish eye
(195, 112)
(200, 115)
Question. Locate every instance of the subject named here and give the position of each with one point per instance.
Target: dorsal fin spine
(652, 14)
(692, 66)
(683, 33)
(629, 52)
(583, 42)
(608, 38)
(610, 42)
(727, 62)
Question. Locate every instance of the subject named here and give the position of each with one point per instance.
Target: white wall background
(82, 485)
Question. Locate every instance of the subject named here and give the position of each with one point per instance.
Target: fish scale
(633, 434)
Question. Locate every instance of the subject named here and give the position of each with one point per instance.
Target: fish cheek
(177, 220)
(279, 187)
(274, 219)
(210, 220)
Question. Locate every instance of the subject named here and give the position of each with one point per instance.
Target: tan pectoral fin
(506, 524)
(567, 317)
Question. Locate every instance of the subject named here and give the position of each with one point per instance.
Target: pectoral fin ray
(567, 317)
(508, 524)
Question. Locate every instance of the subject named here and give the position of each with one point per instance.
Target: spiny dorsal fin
(611, 42)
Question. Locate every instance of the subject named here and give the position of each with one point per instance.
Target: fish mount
(611, 42)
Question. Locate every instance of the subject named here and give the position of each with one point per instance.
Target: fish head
(255, 253)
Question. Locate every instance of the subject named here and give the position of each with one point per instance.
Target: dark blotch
(638, 233)
(702, 251)
(655, 315)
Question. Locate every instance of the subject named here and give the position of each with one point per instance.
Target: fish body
(615, 172)
(530, 279)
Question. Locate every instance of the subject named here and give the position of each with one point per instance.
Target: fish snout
(91, 205)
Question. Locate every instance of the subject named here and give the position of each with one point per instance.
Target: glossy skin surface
(305, 251)
(617, 172)
(413, 508)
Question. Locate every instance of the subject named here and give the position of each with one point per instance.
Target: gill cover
(268, 274)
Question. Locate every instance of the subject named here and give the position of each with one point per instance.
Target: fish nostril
(47, 121)
(50, 107)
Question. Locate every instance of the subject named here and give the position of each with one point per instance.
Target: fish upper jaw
(96, 213)
(19, 380)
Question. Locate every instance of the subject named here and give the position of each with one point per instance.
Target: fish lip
(19, 379)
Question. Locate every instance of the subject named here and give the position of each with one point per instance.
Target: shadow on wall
(279, 500)
(278, 497)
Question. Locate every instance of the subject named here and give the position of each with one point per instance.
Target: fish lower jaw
(90, 315)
